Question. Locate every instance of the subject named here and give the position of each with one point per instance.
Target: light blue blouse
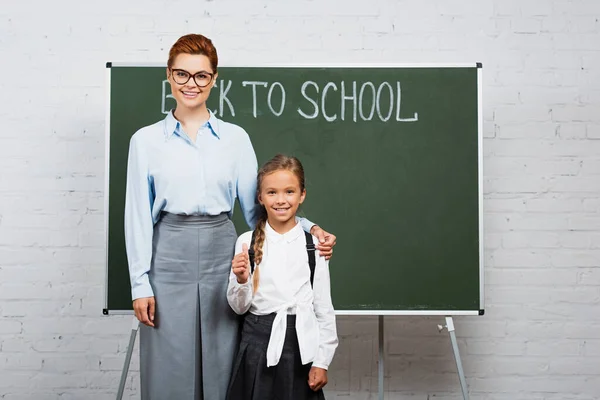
(166, 171)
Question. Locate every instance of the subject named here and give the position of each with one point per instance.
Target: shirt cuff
(318, 365)
(142, 290)
(305, 223)
(238, 285)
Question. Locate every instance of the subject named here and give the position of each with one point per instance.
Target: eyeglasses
(202, 78)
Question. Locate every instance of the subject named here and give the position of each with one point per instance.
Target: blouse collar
(289, 236)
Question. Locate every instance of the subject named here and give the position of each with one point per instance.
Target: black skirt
(251, 378)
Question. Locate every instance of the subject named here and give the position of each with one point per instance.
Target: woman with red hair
(183, 176)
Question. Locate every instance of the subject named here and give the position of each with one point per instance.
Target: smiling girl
(183, 176)
(289, 335)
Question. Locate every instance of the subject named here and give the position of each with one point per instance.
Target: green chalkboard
(393, 168)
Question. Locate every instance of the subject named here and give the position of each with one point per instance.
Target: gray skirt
(189, 353)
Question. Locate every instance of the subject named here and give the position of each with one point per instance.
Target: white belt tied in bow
(307, 329)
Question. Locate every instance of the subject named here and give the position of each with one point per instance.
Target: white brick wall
(540, 337)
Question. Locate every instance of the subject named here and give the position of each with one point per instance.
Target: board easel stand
(135, 325)
(450, 326)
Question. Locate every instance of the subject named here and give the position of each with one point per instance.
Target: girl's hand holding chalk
(241, 265)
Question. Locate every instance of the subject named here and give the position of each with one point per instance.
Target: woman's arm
(325, 313)
(246, 180)
(139, 199)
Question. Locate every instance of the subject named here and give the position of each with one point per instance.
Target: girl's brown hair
(277, 163)
(194, 44)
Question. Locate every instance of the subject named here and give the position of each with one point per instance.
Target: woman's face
(191, 94)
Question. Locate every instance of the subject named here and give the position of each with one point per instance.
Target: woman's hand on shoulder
(144, 308)
(326, 241)
(240, 265)
(317, 378)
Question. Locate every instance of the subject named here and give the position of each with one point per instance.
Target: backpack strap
(310, 249)
(251, 252)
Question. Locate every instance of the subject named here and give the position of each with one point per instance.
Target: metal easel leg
(461, 373)
(134, 328)
(380, 386)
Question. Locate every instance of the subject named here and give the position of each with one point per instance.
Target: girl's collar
(289, 236)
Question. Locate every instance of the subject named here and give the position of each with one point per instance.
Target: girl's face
(193, 93)
(281, 195)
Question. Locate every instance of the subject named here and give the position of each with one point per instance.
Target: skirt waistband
(269, 318)
(181, 219)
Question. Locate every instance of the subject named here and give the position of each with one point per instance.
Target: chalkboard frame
(478, 65)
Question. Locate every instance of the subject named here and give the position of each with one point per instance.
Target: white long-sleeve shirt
(284, 288)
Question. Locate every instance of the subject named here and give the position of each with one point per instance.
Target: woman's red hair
(194, 44)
